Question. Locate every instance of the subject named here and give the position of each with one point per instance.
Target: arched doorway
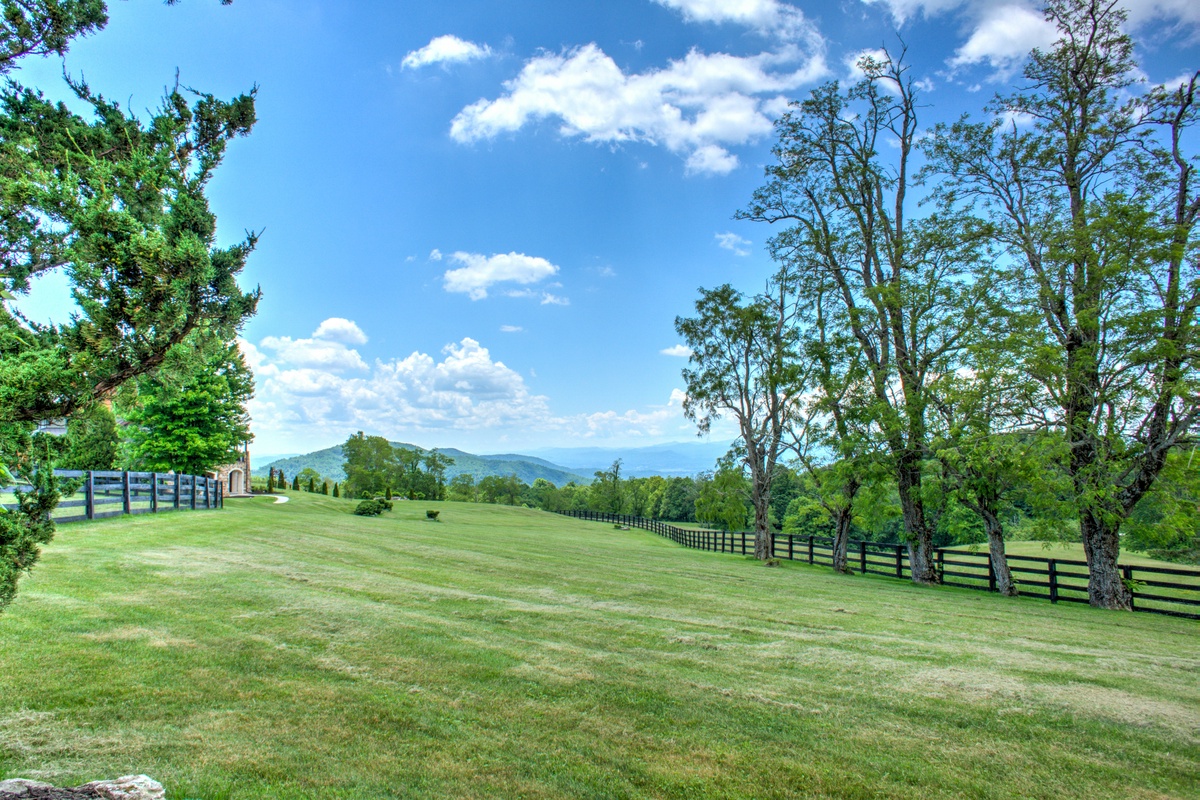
(235, 482)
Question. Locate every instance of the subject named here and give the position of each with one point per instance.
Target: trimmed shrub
(368, 508)
(433, 515)
(296, 484)
(387, 493)
(335, 491)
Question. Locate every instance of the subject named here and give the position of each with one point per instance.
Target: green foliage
(335, 490)
(368, 508)
(387, 493)
(433, 515)
(92, 441)
(191, 416)
(723, 500)
(23, 530)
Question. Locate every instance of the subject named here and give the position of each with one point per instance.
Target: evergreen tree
(296, 484)
(312, 485)
(335, 490)
(191, 417)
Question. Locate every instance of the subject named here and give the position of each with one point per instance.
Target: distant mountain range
(329, 462)
(559, 465)
(671, 459)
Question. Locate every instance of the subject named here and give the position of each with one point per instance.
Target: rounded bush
(368, 508)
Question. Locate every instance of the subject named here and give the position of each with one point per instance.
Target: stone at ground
(129, 787)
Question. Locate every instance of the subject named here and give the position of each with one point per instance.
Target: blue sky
(480, 219)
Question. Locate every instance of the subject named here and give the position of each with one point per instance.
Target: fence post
(125, 506)
(810, 549)
(862, 557)
(941, 566)
(177, 478)
(90, 496)
(743, 543)
(192, 495)
(220, 495)
(791, 546)
(153, 492)
(899, 563)
(1052, 575)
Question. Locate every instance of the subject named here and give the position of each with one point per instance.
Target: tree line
(994, 313)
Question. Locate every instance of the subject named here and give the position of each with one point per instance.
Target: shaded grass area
(289, 651)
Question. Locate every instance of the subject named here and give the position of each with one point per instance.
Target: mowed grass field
(297, 651)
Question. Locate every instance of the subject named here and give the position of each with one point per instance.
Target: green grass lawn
(297, 651)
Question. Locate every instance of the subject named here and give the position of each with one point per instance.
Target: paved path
(281, 498)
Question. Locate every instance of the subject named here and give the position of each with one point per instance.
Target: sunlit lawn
(298, 651)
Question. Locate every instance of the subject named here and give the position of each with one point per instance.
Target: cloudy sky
(480, 218)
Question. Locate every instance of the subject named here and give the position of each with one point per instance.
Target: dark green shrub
(335, 491)
(387, 493)
(433, 515)
(368, 508)
(296, 484)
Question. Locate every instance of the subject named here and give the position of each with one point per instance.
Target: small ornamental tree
(296, 484)
(335, 490)
(271, 482)
(312, 485)
(387, 493)
(282, 479)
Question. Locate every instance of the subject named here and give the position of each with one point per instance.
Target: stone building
(235, 477)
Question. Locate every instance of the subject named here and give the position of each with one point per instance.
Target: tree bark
(842, 518)
(920, 539)
(995, 534)
(764, 544)
(1101, 546)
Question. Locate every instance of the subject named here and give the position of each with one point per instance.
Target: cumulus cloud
(463, 389)
(733, 243)
(698, 106)
(445, 50)
(677, 351)
(478, 272)
(1003, 38)
(768, 17)
(329, 349)
(338, 329)
(511, 329)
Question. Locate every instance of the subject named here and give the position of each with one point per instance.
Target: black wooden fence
(1160, 590)
(111, 494)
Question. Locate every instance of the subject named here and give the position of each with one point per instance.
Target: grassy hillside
(297, 651)
(329, 463)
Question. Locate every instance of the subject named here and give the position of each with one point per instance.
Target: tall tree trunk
(764, 545)
(842, 518)
(995, 534)
(920, 538)
(1101, 546)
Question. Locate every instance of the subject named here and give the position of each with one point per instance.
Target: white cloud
(435, 255)
(554, 300)
(480, 272)
(329, 349)
(677, 351)
(511, 329)
(462, 390)
(768, 17)
(698, 106)
(733, 243)
(1003, 38)
(445, 50)
(338, 329)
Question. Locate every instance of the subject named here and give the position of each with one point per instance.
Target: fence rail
(1158, 590)
(104, 494)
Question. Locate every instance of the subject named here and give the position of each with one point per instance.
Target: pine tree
(312, 485)
(335, 491)
(296, 484)
(271, 483)
(387, 493)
